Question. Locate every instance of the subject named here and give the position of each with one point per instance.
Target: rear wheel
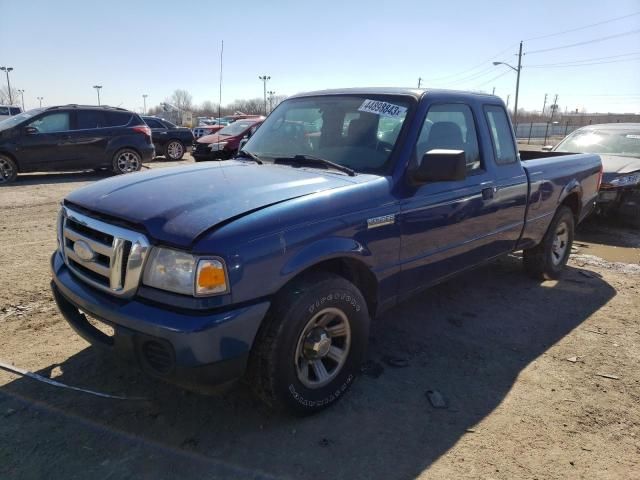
(309, 351)
(126, 160)
(8, 170)
(547, 260)
(174, 150)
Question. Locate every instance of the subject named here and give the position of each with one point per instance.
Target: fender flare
(322, 250)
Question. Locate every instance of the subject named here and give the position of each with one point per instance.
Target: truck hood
(615, 164)
(176, 205)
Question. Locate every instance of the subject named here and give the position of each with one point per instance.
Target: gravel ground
(539, 380)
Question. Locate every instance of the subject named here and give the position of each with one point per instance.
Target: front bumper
(623, 202)
(187, 348)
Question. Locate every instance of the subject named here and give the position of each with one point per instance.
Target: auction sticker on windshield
(382, 108)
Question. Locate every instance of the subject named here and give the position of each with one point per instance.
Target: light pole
(21, 92)
(40, 100)
(98, 87)
(271, 94)
(144, 99)
(419, 81)
(7, 70)
(517, 70)
(264, 79)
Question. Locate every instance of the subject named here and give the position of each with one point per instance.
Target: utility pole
(144, 99)
(544, 104)
(494, 91)
(220, 82)
(98, 87)
(40, 100)
(21, 91)
(554, 106)
(517, 70)
(419, 81)
(271, 94)
(264, 79)
(508, 98)
(7, 70)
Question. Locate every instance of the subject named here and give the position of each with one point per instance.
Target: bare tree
(181, 99)
(254, 106)
(208, 109)
(15, 96)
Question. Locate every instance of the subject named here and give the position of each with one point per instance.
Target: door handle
(488, 193)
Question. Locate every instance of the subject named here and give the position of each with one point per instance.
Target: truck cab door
(444, 224)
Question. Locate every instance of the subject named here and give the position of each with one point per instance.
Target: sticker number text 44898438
(384, 109)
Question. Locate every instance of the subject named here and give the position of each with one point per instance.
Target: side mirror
(30, 130)
(547, 148)
(440, 165)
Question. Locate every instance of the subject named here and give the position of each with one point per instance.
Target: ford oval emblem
(83, 251)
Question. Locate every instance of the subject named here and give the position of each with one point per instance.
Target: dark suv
(73, 137)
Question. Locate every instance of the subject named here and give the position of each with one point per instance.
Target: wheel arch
(12, 157)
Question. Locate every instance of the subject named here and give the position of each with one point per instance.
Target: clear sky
(59, 49)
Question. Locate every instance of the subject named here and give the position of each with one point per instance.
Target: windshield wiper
(311, 160)
(246, 154)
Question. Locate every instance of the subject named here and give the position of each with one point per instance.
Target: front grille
(201, 148)
(105, 256)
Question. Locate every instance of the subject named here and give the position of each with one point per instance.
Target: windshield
(13, 121)
(602, 141)
(358, 132)
(236, 128)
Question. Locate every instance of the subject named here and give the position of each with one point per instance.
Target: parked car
(273, 265)
(618, 144)
(202, 130)
(224, 144)
(168, 139)
(73, 137)
(7, 111)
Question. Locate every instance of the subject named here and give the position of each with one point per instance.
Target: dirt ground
(540, 380)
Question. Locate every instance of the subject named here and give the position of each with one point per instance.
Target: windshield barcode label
(382, 108)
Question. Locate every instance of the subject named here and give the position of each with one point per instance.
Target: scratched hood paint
(175, 205)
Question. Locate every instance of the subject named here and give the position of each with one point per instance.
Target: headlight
(626, 180)
(181, 272)
(217, 146)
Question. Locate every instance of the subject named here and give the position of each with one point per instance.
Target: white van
(7, 111)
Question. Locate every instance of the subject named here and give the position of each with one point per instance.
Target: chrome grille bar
(106, 267)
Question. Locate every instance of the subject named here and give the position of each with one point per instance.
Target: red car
(225, 143)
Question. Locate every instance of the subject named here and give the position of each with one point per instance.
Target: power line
(492, 79)
(584, 64)
(586, 42)
(582, 28)
(584, 60)
(475, 67)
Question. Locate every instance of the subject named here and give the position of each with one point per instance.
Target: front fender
(323, 250)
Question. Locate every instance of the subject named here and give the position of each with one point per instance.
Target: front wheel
(309, 351)
(547, 260)
(8, 170)
(126, 160)
(174, 150)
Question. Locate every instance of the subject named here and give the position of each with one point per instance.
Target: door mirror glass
(30, 130)
(547, 148)
(441, 165)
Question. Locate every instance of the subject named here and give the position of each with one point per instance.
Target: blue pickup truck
(270, 266)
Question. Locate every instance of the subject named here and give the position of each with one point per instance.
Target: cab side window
(52, 122)
(503, 144)
(451, 127)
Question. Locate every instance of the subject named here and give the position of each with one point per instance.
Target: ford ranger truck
(271, 266)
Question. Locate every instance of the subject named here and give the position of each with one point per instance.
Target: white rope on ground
(40, 378)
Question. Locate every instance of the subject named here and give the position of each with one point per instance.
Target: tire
(8, 170)
(547, 260)
(317, 327)
(174, 150)
(126, 160)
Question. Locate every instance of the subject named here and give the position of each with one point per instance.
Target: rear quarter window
(500, 129)
(117, 119)
(15, 110)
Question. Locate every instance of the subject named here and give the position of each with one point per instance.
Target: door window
(88, 119)
(153, 123)
(52, 122)
(450, 127)
(503, 144)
